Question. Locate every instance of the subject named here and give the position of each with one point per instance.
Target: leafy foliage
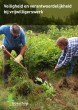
(64, 31)
(54, 32)
(41, 52)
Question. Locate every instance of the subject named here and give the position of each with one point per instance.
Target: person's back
(73, 45)
(11, 41)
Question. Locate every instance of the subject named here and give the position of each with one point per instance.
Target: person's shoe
(65, 82)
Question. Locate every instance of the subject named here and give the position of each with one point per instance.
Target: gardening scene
(38, 67)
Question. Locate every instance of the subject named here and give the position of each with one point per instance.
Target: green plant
(41, 53)
(54, 32)
(64, 31)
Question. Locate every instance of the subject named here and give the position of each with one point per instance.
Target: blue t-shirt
(9, 41)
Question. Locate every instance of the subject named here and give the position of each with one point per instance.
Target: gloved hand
(2, 46)
(18, 58)
(56, 68)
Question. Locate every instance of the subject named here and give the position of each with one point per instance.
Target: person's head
(62, 42)
(15, 30)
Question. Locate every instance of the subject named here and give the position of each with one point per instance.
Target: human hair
(15, 29)
(61, 41)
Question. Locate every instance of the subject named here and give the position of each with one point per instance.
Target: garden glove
(2, 46)
(56, 68)
(18, 58)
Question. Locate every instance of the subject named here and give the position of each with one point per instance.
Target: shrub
(63, 31)
(41, 52)
(53, 31)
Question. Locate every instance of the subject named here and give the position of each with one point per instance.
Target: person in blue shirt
(69, 54)
(14, 39)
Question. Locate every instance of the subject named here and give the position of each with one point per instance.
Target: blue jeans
(71, 66)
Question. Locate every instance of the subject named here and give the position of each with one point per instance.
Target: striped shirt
(70, 51)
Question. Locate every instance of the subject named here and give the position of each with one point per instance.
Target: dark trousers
(6, 67)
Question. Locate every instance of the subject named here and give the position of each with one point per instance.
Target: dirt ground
(67, 92)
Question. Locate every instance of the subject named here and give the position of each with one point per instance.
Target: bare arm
(23, 50)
